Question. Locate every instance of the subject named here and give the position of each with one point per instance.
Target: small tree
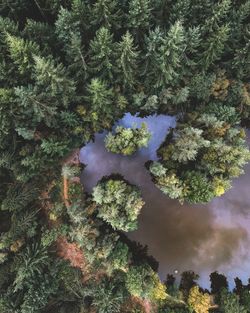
(142, 281)
(118, 203)
(230, 303)
(127, 140)
(199, 301)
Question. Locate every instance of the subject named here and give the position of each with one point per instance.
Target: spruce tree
(214, 46)
(21, 52)
(118, 203)
(102, 54)
(105, 13)
(139, 15)
(53, 81)
(127, 58)
(100, 103)
(165, 54)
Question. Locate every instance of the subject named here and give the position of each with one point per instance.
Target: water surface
(203, 238)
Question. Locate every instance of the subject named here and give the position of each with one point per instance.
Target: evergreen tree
(127, 140)
(22, 52)
(165, 54)
(139, 16)
(118, 203)
(215, 45)
(53, 79)
(100, 101)
(106, 13)
(102, 54)
(230, 303)
(127, 61)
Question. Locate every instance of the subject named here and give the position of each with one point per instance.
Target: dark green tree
(102, 54)
(127, 60)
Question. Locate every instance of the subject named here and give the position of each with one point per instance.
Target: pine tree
(41, 33)
(180, 11)
(22, 52)
(118, 203)
(127, 140)
(18, 197)
(220, 11)
(139, 15)
(127, 61)
(52, 78)
(105, 13)
(241, 61)
(107, 298)
(164, 55)
(99, 95)
(102, 54)
(214, 46)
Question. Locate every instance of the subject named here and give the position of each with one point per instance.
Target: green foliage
(106, 13)
(102, 105)
(119, 257)
(164, 55)
(198, 301)
(139, 16)
(200, 156)
(230, 303)
(127, 61)
(18, 197)
(28, 264)
(127, 140)
(107, 298)
(71, 68)
(215, 46)
(138, 281)
(188, 142)
(141, 281)
(22, 52)
(118, 203)
(102, 54)
(54, 81)
(49, 236)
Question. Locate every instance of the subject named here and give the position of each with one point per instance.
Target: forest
(70, 69)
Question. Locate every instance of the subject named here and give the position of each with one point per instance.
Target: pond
(203, 238)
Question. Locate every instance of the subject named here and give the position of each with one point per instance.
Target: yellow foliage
(128, 150)
(16, 245)
(52, 216)
(242, 133)
(159, 290)
(246, 94)
(220, 186)
(81, 110)
(198, 301)
(220, 86)
(219, 190)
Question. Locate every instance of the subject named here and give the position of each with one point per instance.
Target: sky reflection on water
(202, 238)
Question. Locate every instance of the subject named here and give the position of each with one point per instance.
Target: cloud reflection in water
(203, 238)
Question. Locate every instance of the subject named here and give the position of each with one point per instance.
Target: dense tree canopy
(201, 155)
(127, 140)
(118, 203)
(71, 68)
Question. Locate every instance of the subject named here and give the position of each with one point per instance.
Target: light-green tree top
(118, 203)
(127, 140)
